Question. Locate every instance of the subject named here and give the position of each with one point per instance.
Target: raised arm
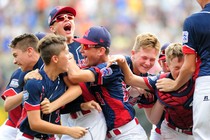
(130, 78)
(77, 75)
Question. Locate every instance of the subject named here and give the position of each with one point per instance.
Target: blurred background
(125, 19)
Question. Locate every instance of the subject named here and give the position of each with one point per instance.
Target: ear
(52, 28)
(132, 53)
(54, 59)
(30, 51)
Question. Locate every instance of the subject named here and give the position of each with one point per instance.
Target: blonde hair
(146, 40)
(172, 51)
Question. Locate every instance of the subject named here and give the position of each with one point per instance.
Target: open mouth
(67, 27)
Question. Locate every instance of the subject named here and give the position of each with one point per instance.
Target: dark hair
(24, 41)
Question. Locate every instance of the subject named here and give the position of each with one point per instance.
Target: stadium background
(124, 19)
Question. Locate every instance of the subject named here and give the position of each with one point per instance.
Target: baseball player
(34, 124)
(13, 95)
(178, 105)
(61, 21)
(155, 132)
(142, 59)
(107, 86)
(196, 44)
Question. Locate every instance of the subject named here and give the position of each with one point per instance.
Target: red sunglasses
(87, 46)
(62, 17)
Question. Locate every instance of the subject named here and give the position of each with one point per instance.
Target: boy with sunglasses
(107, 85)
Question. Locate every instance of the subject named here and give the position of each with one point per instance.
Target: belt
(79, 114)
(32, 137)
(117, 131)
(185, 131)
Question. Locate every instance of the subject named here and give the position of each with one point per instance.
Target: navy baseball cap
(162, 52)
(96, 35)
(40, 35)
(58, 10)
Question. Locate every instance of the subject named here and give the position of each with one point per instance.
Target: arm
(12, 102)
(71, 93)
(154, 114)
(186, 72)
(130, 78)
(76, 75)
(41, 126)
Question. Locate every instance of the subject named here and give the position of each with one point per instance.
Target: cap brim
(84, 41)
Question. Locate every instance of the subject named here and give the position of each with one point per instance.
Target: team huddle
(67, 87)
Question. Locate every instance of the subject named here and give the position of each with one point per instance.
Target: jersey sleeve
(104, 75)
(189, 44)
(150, 81)
(13, 86)
(34, 90)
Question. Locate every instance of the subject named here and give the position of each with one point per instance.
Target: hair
(51, 45)
(146, 40)
(24, 41)
(174, 50)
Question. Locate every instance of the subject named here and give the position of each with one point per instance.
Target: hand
(136, 91)
(166, 85)
(77, 132)
(46, 106)
(33, 74)
(116, 58)
(91, 105)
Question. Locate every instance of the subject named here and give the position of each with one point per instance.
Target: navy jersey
(110, 91)
(38, 90)
(12, 89)
(196, 36)
(74, 106)
(39, 65)
(74, 48)
(178, 104)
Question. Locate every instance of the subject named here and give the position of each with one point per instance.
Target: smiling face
(64, 25)
(22, 58)
(143, 60)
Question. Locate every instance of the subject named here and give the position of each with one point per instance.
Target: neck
(51, 72)
(203, 3)
(69, 40)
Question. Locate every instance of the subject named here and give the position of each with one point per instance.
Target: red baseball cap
(60, 9)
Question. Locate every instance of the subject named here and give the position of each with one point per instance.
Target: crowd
(124, 19)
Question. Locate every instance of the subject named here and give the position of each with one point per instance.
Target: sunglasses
(87, 47)
(62, 17)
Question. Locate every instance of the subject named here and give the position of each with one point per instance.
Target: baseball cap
(96, 35)
(162, 52)
(60, 9)
(40, 35)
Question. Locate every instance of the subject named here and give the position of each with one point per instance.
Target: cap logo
(86, 33)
